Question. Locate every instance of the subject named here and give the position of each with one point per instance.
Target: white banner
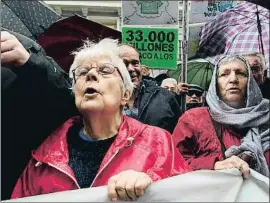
(197, 186)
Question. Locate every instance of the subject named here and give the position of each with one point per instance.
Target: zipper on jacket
(72, 178)
(104, 166)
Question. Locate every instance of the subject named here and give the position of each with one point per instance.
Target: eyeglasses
(102, 69)
(192, 92)
(134, 63)
(256, 69)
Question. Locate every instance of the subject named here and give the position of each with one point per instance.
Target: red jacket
(137, 146)
(196, 139)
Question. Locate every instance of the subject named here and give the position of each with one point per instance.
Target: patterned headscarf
(255, 116)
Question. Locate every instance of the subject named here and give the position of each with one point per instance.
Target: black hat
(197, 88)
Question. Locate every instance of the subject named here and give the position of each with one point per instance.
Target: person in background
(35, 100)
(169, 84)
(258, 67)
(159, 78)
(234, 131)
(101, 146)
(195, 96)
(149, 103)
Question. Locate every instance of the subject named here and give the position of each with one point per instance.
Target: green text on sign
(158, 47)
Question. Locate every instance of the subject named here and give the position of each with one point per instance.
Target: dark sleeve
(42, 68)
(179, 98)
(35, 99)
(163, 110)
(7, 78)
(41, 79)
(175, 110)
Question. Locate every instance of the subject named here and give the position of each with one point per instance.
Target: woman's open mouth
(90, 91)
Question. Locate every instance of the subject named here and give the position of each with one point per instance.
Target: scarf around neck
(255, 116)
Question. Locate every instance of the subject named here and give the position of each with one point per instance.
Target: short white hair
(106, 48)
(257, 54)
(169, 80)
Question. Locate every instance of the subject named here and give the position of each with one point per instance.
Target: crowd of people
(108, 122)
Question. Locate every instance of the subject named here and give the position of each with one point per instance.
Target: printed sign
(203, 11)
(158, 47)
(144, 12)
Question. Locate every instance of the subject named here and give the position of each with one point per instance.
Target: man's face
(169, 86)
(194, 96)
(256, 68)
(131, 59)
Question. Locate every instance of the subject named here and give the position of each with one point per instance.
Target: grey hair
(229, 59)
(105, 48)
(169, 80)
(257, 54)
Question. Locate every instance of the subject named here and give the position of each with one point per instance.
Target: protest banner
(158, 47)
(197, 186)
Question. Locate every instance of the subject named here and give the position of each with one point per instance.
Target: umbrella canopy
(68, 34)
(199, 72)
(29, 18)
(244, 28)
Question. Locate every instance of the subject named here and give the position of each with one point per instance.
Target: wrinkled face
(194, 97)
(232, 81)
(256, 68)
(131, 59)
(169, 86)
(95, 92)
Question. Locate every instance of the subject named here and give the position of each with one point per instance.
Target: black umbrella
(29, 18)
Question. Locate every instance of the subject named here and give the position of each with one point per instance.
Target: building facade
(107, 13)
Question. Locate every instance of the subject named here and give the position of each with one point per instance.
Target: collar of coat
(54, 150)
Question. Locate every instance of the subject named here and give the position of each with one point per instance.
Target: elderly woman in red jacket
(102, 147)
(234, 131)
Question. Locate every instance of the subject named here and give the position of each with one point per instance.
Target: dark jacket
(36, 99)
(265, 88)
(158, 106)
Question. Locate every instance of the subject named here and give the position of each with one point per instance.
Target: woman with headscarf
(102, 147)
(233, 132)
